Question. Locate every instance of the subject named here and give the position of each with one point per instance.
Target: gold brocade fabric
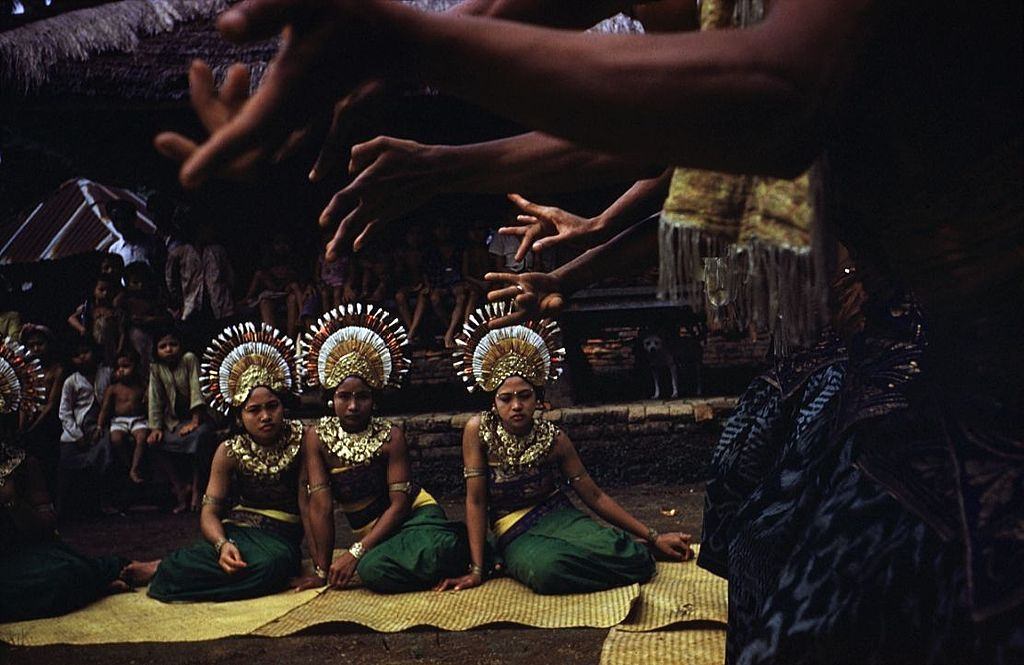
(353, 448)
(10, 458)
(267, 461)
(516, 453)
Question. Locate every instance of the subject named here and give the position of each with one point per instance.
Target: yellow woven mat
(500, 600)
(695, 646)
(135, 617)
(679, 592)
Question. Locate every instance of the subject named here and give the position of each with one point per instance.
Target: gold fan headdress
(484, 358)
(243, 357)
(355, 340)
(22, 381)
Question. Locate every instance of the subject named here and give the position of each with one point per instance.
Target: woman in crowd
(39, 575)
(404, 541)
(176, 416)
(251, 549)
(516, 463)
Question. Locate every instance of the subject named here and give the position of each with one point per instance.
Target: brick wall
(641, 442)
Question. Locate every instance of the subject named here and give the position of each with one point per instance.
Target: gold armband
(313, 489)
(473, 471)
(213, 501)
(404, 487)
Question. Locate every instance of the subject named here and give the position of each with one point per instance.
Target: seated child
(124, 411)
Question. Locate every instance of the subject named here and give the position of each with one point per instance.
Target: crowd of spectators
(124, 410)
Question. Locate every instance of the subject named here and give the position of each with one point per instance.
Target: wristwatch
(652, 536)
(357, 550)
(221, 542)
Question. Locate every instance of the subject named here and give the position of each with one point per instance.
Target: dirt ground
(147, 535)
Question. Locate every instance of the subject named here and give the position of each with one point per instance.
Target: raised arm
(670, 545)
(475, 472)
(752, 100)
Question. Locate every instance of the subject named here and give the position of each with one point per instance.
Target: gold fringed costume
(760, 227)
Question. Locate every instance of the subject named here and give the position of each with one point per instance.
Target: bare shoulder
(473, 424)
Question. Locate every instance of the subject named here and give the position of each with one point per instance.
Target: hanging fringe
(772, 287)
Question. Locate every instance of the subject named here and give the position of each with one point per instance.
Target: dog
(666, 350)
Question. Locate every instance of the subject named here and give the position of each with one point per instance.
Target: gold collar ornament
(22, 380)
(516, 453)
(267, 461)
(243, 357)
(353, 448)
(355, 340)
(485, 358)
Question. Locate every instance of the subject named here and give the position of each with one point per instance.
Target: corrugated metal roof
(70, 222)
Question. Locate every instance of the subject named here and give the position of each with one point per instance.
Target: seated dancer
(515, 465)
(252, 550)
(39, 575)
(405, 542)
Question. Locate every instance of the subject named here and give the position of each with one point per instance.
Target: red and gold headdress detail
(22, 381)
(243, 357)
(355, 340)
(484, 358)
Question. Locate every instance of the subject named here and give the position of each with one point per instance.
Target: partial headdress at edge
(243, 357)
(356, 339)
(485, 358)
(22, 388)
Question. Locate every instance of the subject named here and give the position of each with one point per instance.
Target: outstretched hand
(545, 227)
(323, 56)
(537, 295)
(391, 178)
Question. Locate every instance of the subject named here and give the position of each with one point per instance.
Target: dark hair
(167, 331)
(131, 354)
(80, 344)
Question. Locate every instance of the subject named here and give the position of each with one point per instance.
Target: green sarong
(48, 579)
(567, 552)
(193, 574)
(426, 549)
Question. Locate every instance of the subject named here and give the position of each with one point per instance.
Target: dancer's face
(353, 403)
(516, 401)
(263, 415)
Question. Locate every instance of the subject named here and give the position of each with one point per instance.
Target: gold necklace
(517, 452)
(353, 447)
(267, 461)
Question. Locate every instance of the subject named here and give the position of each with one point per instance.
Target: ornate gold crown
(22, 381)
(355, 340)
(485, 358)
(243, 357)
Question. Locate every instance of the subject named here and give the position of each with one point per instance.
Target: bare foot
(135, 476)
(182, 495)
(139, 573)
(118, 586)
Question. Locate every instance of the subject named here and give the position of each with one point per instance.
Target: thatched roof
(139, 49)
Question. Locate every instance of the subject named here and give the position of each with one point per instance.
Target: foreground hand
(230, 560)
(306, 582)
(155, 437)
(545, 227)
(392, 177)
(326, 50)
(537, 296)
(672, 546)
(467, 581)
(366, 101)
(342, 570)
